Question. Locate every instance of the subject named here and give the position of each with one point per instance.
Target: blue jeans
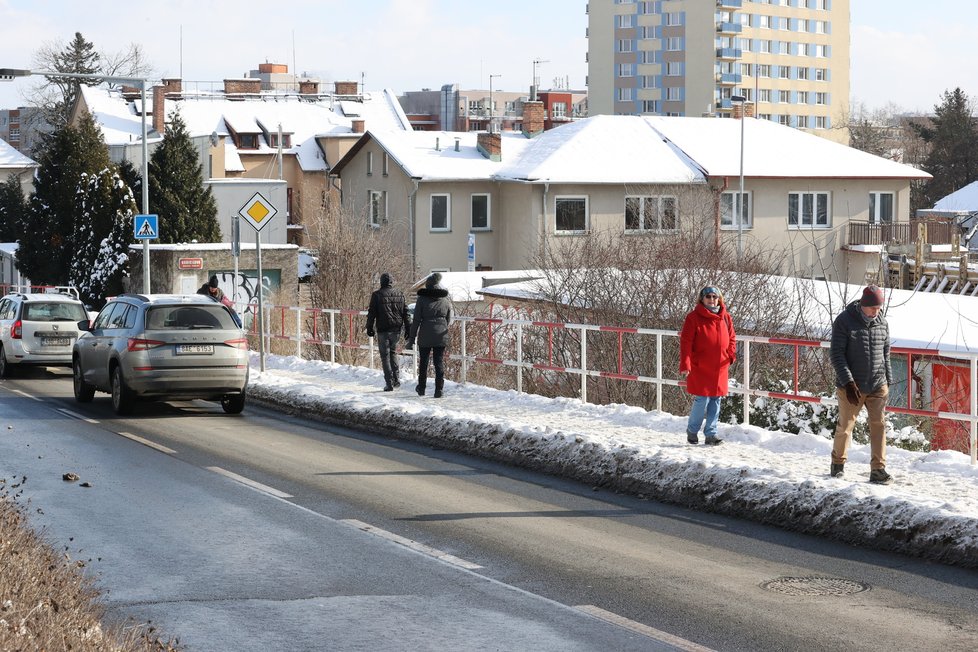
(708, 407)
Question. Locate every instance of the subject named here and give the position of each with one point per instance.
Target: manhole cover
(814, 586)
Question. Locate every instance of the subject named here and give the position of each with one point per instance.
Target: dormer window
(247, 141)
(286, 140)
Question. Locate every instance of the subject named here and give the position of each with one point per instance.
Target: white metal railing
(342, 329)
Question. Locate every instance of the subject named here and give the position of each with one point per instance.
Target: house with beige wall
(637, 176)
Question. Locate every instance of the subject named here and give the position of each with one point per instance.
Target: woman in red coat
(707, 348)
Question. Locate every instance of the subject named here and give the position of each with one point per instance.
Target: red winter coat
(707, 347)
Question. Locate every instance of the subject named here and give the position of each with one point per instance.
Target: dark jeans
(425, 352)
(387, 343)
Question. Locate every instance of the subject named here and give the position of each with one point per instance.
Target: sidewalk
(930, 511)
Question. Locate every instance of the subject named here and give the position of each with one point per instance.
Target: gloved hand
(852, 393)
(370, 332)
(409, 345)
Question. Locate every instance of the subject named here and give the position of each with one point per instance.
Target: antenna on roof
(536, 80)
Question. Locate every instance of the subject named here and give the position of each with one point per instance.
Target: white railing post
(746, 393)
(298, 332)
(974, 410)
(519, 357)
(583, 364)
(332, 336)
(658, 371)
(465, 359)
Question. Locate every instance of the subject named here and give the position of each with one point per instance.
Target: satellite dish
(215, 139)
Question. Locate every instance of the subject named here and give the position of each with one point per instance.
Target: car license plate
(194, 349)
(55, 341)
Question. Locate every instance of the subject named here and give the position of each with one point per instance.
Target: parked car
(39, 328)
(162, 347)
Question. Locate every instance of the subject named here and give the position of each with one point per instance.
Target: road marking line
(25, 395)
(146, 442)
(75, 415)
(250, 483)
(409, 543)
(639, 628)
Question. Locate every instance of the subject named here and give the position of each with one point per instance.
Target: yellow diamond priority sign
(258, 211)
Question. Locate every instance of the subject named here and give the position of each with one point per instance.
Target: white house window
(821, 122)
(784, 97)
(674, 43)
(378, 207)
(821, 74)
(803, 73)
(570, 214)
(763, 70)
(441, 212)
(808, 210)
(625, 70)
(764, 95)
(480, 212)
(626, 94)
(881, 207)
(784, 72)
(386, 164)
(674, 69)
(625, 45)
(370, 162)
(674, 93)
(821, 98)
(651, 214)
(729, 212)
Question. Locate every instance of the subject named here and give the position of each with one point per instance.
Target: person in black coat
(432, 315)
(388, 313)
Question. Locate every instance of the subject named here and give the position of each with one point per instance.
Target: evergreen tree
(12, 207)
(78, 57)
(177, 194)
(47, 230)
(953, 141)
(102, 234)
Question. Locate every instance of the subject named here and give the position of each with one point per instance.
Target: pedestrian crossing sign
(146, 227)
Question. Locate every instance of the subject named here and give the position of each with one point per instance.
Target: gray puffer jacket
(432, 315)
(860, 349)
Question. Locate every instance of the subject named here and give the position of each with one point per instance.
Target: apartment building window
(763, 70)
(440, 213)
(648, 81)
(764, 116)
(821, 27)
(784, 47)
(14, 133)
(570, 214)
(650, 214)
(808, 210)
(821, 122)
(821, 74)
(821, 98)
(764, 22)
(378, 208)
(745, 69)
(821, 51)
(784, 120)
(784, 72)
(650, 106)
(802, 122)
(674, 94)
(624, 70)
(803, 73)
(744, 44)
(764, 47)
(802, 25)
(625, 20)
(673, 18)
(802, 97)
(784, 97)
(625, 45)
(480, 212)
(626, 94)
(674, 69)
(764, 95)
(728, 209)
(881, 207)
(650, 56)
(674, 43)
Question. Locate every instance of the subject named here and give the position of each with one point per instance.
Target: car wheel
(83, 391)
(122, 396)
(233, 403)
(5, 368)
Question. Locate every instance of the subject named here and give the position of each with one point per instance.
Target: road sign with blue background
(146, 227)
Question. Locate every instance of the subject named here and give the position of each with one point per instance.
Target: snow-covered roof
(208, 113)
(948, 322)
(11, 158)
(962, 200)
(772, 150)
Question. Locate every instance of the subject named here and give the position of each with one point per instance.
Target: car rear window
(54, 311)
(189, 317)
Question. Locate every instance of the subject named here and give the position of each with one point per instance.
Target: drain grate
(814, 586)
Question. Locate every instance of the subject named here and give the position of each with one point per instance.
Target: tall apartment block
(788, 58)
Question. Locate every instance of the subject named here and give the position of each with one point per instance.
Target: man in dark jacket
(860, 354)
(211, 289)
(389, 313)
(432, 315)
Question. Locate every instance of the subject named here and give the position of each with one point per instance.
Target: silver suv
(162, 346)
(38, 328)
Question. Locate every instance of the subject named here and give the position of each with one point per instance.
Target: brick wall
(533, 115)
(240, 86)
(490, 145)
(345, 87)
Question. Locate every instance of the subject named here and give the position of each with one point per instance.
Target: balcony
(729, 54)
(874, 233)
(729, 28)
(728, 78)
(730, 4)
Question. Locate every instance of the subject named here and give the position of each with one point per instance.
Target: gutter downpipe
(716, 217)
(543, 219)
(412, 218)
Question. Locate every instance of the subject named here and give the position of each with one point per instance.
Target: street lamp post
(740, 197)
(491, 77)
(8, 74)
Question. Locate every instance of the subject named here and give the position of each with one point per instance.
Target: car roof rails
(67, 290)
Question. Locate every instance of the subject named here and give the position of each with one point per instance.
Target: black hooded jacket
(387, 310)
(432, 315)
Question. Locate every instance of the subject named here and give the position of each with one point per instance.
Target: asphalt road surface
(269, 532)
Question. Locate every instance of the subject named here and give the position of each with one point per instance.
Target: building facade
(789, 59)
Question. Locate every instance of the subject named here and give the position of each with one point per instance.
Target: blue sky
(903, 51)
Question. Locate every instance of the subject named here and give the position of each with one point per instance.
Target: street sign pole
(261, 310)
(258, 212)
(236, 254)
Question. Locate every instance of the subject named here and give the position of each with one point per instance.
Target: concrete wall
(232, 194)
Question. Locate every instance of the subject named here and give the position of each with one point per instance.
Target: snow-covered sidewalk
(931, 510)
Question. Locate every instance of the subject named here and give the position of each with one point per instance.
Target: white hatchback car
(39, 328)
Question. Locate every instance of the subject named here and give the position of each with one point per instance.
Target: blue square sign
(146, 227)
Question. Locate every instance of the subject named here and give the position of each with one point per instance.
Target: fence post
(583, 364)
(974, 410)
(332, 336)
(298, 332)
(465, 361)
(519, 357)
(658, 371)
(746, 382)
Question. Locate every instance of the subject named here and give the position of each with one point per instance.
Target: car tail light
(16, 331)
(238, 344)
(139, 344)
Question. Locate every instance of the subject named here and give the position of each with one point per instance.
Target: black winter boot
(439, 385)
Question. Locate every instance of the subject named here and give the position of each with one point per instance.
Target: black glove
(409, 345)
(852, 393)
(370, 332)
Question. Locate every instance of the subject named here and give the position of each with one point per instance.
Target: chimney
(532, 118)
(490, 145)
(273, 68)
(345, 88)
(308, 87)
(159, 108)
(741, 109)
(359, 126)
(172, 87)
(240, 87)
(457, 139)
